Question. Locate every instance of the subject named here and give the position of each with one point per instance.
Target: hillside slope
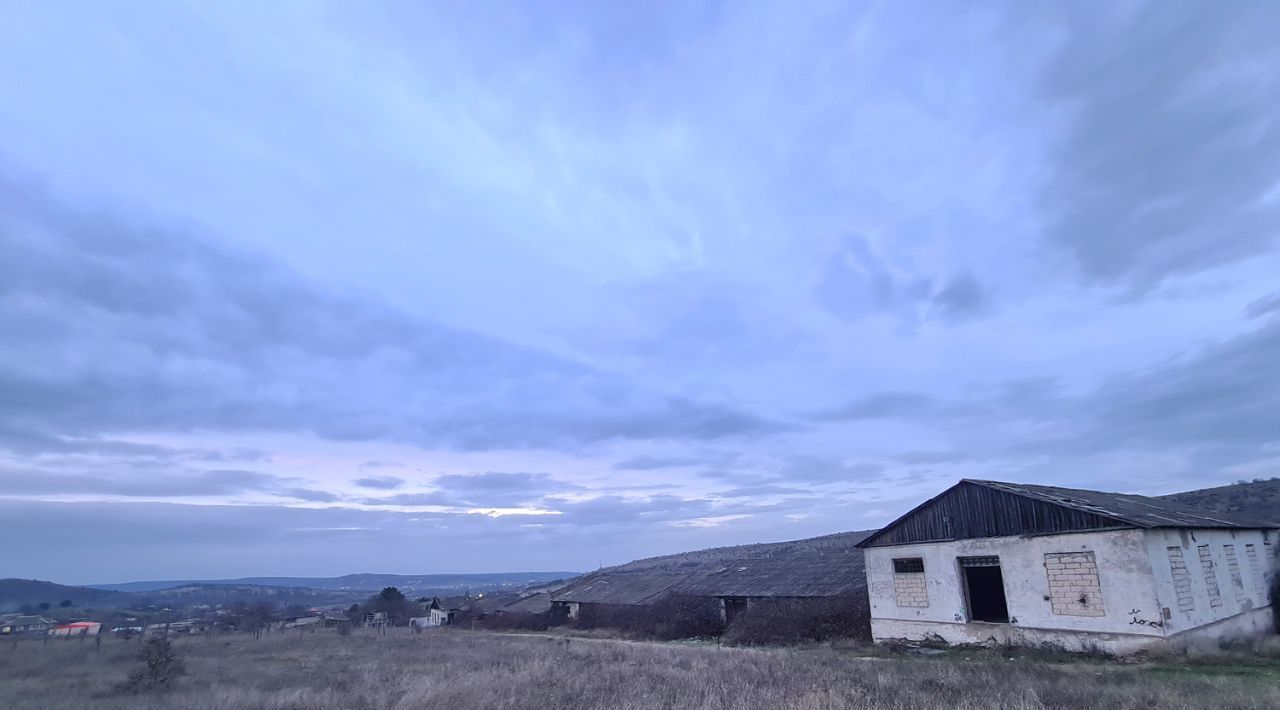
(14, 593)
(1258, 500)
(363, 582)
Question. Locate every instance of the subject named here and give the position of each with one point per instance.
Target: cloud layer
(546, 286)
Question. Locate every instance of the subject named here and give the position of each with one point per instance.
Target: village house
(26, 624)
(76, 628)
(986, 561)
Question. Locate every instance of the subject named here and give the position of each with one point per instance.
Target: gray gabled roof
(619, 588)
(978, 509)
(816, 574)
(1136, 510)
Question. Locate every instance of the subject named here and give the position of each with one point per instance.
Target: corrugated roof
(1136, 510)
(622, 588)
(816, 574)
(532, 604)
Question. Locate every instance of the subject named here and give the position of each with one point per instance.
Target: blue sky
(301, 288)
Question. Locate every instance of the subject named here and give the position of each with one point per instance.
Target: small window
(908, 565)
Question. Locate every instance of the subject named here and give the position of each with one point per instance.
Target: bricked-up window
(1233, 567)
(909, 589)
(1210, 575)
(1255, 572)
(1181, 579)
(907, 565)
(1074, 587)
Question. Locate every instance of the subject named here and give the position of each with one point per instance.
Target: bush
(517, 621)
(161, 666)
(783, 621)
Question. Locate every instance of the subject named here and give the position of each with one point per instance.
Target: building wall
(1208, 576)
(1116, 590)
(1058, 588)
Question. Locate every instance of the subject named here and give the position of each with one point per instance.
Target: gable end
(971, 510)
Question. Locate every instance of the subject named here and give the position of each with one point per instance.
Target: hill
(14, 593)
(1257, 500)
(439, 584)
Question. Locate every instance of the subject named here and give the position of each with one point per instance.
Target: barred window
(907, 565)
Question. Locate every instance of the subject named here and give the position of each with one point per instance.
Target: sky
(311, 288)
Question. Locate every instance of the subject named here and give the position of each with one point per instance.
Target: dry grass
(457, 670)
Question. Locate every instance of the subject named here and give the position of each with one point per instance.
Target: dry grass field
(455, 670)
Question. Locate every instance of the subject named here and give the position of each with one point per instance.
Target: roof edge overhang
(870, 539)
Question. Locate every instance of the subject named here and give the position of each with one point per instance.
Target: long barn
(1039, 565)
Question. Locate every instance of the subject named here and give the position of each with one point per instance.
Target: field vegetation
(463, 670)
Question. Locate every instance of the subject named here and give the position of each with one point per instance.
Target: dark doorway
(732, 607)
(984, 587)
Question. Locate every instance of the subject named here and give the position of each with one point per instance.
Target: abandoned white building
(1039, 565)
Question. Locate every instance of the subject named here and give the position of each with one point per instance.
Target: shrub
(161, 666)
(517, 621)
(782, 621)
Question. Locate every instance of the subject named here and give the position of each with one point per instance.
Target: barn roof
(621, 588)
(976, 508)
(28, 620)
(531, 604)
(816, 574)
(1136, 510)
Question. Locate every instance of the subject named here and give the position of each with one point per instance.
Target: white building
(1037, 565)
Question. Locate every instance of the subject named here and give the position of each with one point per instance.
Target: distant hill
(16, 592)
(1257, 500)
(439, 584)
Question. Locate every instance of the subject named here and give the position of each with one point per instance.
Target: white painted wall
(1134, 577)
(1233, 600)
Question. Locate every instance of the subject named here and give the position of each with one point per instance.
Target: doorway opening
(984, 589)
(730, 607)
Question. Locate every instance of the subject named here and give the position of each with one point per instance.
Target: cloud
(1263, 306)
(826, 469)
(960, 297)
(309, 494)
(435, 498)
(1168, 164)
(884, 405)
(491, 489)
(175, 484)
(762, 490)
(859, 282)
(384, 483)
(645, 462)
(374, 465)
(118, 327)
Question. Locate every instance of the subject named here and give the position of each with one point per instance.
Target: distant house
(438, 615)
(76, 628)
(27, 624)
(334, 620)
(375, 618)
(299, 622)
(1039, 565)
(830, 574)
